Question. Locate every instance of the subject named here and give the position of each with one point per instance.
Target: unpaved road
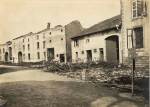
(35, 88)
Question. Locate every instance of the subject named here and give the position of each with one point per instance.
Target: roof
(23, 35)
(101, 26)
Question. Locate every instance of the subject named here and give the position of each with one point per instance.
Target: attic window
(87, 40)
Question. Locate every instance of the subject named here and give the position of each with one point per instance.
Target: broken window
(38, 45)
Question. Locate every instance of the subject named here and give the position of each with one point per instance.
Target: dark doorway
(50, 54)
(112, 49)
(62, 57)
(89, 55)
(101, 56)
(6, 56)
(19, 57)
(76, 55)
(10, 53)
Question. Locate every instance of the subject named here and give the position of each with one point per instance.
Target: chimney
(48, 25)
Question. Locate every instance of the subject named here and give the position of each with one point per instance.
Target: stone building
(135, 31)
(99, 42)
(48, 44)
(6, 51)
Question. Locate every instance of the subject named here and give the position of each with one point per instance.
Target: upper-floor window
(50, 33)
(44, 44)
(0, 50)
(38, 45)
(37, 37)
(22, 41)
(28, 46)
(76, 42)
(38, 55)
(3, 50)
(23, 56)
(61, 30)
(28, 40)
(61, 38)
(44, 36)
(138, 8)
(82, 52)
(95, 50)
(23, 47)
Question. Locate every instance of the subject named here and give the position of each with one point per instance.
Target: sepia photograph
(74, 53)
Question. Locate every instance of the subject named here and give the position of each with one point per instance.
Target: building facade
(99, 42)
(135, 31)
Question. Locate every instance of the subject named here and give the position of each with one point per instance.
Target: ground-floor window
(29, 56)
(38, 55)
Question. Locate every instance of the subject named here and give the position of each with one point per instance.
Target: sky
(19, 17)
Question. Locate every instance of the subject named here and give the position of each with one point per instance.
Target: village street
(36, 88)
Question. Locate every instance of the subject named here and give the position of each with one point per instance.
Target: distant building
(99, 42)
(48, 44)
(135, 31)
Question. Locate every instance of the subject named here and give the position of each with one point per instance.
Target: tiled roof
(104, 25)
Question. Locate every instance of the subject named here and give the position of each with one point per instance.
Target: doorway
(50, 54)
(6, 56)
(112, 49)
(19, 57)
(101, 55)
(89, 55)
(62, 57)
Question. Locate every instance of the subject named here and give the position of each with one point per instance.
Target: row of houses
(110, 40)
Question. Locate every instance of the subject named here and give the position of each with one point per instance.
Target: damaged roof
(101, 26)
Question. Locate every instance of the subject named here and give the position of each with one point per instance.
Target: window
(135, 38)
(45, 55)
(50, 33)
(0, 50)
(44, 36)
(57, 55)
(61, 30)
(28, 55)
(22, 40)
(28, 46)
(3, 50)
(138, 37)
(95, 50)
(37, 37)
(82, 52)
(28, 40)
(50, 40)
(87, 40)
(137, 8)
(44, 44)
(23, 47)
(76, 43)
(38, 55)
(61, 38)
(38, 45)
(23, 56)
(0, 58)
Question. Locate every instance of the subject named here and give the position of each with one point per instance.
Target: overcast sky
(19, 17)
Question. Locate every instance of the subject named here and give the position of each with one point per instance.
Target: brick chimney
(48, 25)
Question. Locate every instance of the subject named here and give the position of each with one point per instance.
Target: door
(89, 55)
(62, 57)
(50, 54)
(19, 57)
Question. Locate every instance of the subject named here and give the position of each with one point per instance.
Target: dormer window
(87, 41)
(76, 42)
